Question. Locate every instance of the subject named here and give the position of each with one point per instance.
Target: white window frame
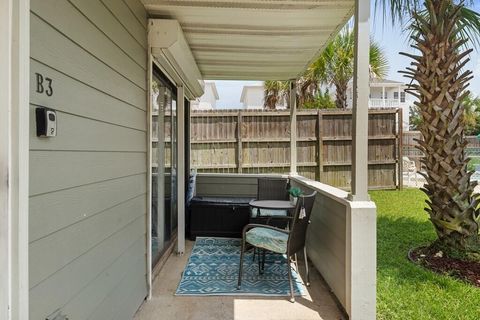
(180, 166)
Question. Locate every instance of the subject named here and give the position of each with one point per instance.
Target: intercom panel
(46, 122)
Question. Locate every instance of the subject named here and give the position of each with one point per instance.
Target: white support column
(181, 168)
(14, 151)
(293, 127)
(5, 106)
(361, 90)
(399, 99)
(361, 260)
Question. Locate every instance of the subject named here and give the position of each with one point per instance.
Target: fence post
(400, 148)
(239, 143)
(320, 145)
(293, 127)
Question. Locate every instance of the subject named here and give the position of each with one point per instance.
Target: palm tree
(308, 89)
(275, 92)
(472, 114)
(335, 65)
(321, 99)
(440, 32)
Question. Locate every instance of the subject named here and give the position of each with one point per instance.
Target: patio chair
(271, 189)
(281, 241)
(410, 167)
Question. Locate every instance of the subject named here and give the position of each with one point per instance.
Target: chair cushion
(268, 213)
(191, 187)
(269, 239)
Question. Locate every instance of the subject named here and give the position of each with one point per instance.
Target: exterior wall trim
(14, 155)
(149, 173)
(181, 168)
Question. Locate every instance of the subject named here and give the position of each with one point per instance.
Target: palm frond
(396, 11)
(467, 29)
(402, 11)
(470, 26)
(378, 61)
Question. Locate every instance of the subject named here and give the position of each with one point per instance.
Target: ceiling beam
(269, 5)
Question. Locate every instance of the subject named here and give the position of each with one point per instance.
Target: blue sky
(393, 41)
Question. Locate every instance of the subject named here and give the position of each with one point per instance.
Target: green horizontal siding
(88, 200)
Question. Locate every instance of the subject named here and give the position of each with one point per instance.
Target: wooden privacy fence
(242, 141)
(410, 150)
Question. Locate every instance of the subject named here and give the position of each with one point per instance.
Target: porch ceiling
(254, 39)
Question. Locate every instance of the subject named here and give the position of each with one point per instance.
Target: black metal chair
(281, 241)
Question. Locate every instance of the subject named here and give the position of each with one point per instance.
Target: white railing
(385, 103)
(341, 244)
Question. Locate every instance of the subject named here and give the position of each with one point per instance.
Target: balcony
(385, 103)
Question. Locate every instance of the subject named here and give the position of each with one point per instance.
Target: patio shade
(254, 40)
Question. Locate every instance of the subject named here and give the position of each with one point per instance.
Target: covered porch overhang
(277, 40)
(254, 40)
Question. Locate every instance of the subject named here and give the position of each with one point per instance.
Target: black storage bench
(218, 217)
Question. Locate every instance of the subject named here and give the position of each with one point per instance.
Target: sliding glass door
(164, 164)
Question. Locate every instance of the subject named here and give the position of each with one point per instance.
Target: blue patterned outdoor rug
(212, 269)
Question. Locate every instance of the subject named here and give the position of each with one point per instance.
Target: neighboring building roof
(384, 82)
(379, 82)
(214, 88)
(245, 89)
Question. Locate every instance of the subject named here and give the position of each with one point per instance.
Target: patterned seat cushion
(269, 239)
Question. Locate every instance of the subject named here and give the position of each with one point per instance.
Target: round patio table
(272, 204)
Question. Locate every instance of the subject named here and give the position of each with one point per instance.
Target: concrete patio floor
(318, 304)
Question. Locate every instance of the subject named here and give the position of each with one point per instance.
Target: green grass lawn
(406, 291)
(474, 161)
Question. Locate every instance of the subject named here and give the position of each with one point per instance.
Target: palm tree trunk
(440, 91)
(341, 95)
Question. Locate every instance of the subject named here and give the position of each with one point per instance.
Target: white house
(253, 97)
(208, 101)
(386, 93)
